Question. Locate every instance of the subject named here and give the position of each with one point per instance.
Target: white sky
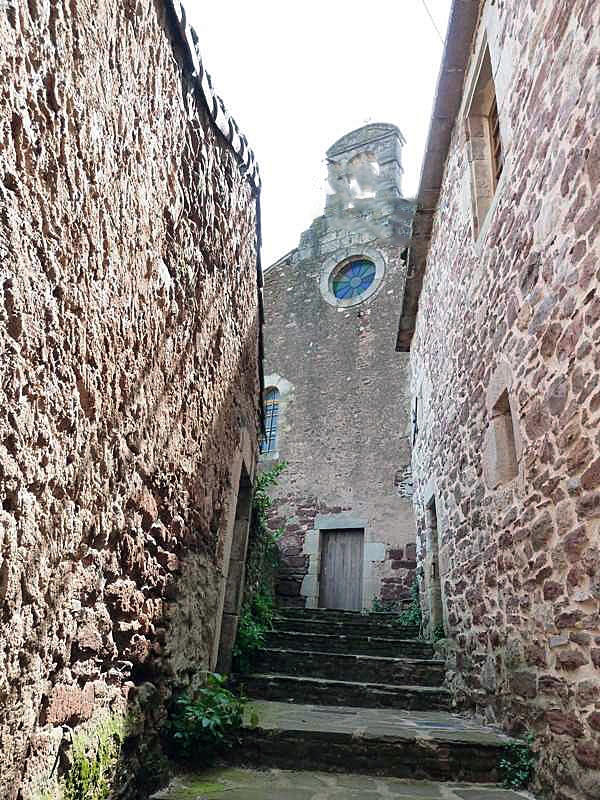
(298, 75)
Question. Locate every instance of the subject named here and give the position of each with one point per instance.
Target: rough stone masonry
(505, 359)
(130, 372)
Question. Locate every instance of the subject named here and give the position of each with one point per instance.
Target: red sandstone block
(70, 704)
(404, 564)
(588, 755)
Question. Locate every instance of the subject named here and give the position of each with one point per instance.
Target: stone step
(350, 667)
(403, 744)
(233, 783)
(334, 614)
(366, 626)
(299, 689)
(358, 645)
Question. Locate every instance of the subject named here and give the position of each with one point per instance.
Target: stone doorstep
(315, 664)
(357, 645)
(418, 745)
(300, 689)
(334, 613)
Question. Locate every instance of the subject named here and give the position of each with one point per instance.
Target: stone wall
(340, 381)
(508, 329)
(128, 400)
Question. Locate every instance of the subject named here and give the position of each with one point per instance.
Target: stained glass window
(353, 279)
(269, 442)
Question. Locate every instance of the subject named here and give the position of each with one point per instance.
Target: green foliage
(251, 632)
(205, 725)
(411, 616)
(262, 563)
(94, 758)
(438, 632)
(517, 764)
(385, 606)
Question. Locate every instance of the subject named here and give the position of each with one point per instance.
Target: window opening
(496, 142)
(436, 610)
(353, 279)
(415, 420)
(269, 442)
(485, 138)
(504, 439)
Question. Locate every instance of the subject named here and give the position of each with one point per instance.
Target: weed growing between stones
(438, 633)
(385, 606)
(207, 724)
(517, 765)
(411, 616)
(261, 570)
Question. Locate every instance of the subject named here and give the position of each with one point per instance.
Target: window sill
(263, 458)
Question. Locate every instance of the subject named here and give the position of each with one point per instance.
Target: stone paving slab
(375, 723)
(241, 784)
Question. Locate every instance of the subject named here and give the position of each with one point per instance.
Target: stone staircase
(343, 691)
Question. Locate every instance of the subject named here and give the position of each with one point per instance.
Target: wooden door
(341, 569)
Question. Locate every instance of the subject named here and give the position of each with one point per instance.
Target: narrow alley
(300, 464)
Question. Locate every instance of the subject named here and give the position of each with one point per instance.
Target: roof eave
(464, 16)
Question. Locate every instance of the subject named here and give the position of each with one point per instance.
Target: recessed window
(353, 279)
(506, 465)
(485, 140)
(269, 442)
(436, 609)
(495, 141)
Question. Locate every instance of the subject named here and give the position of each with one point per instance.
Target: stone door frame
(373, 552)
(235, 546)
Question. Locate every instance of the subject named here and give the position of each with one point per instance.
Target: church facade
(337, 407)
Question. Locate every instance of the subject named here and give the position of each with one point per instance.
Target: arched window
(269, 443)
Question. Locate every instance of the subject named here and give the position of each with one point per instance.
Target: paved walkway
(238, 784)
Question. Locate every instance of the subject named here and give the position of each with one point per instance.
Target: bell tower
(364, 169)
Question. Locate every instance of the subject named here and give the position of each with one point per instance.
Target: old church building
(502, 318)
(337, 407)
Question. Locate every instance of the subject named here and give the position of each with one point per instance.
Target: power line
(429, 14)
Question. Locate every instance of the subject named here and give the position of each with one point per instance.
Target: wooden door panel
(341, 569)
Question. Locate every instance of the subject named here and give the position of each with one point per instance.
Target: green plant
(411, 616)
(94, 758)
(517, 764)
(206, 724)
(384, 606)
(262, 562)
(438, 632)
(250, 636)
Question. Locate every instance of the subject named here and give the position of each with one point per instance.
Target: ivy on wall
(262, 563)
